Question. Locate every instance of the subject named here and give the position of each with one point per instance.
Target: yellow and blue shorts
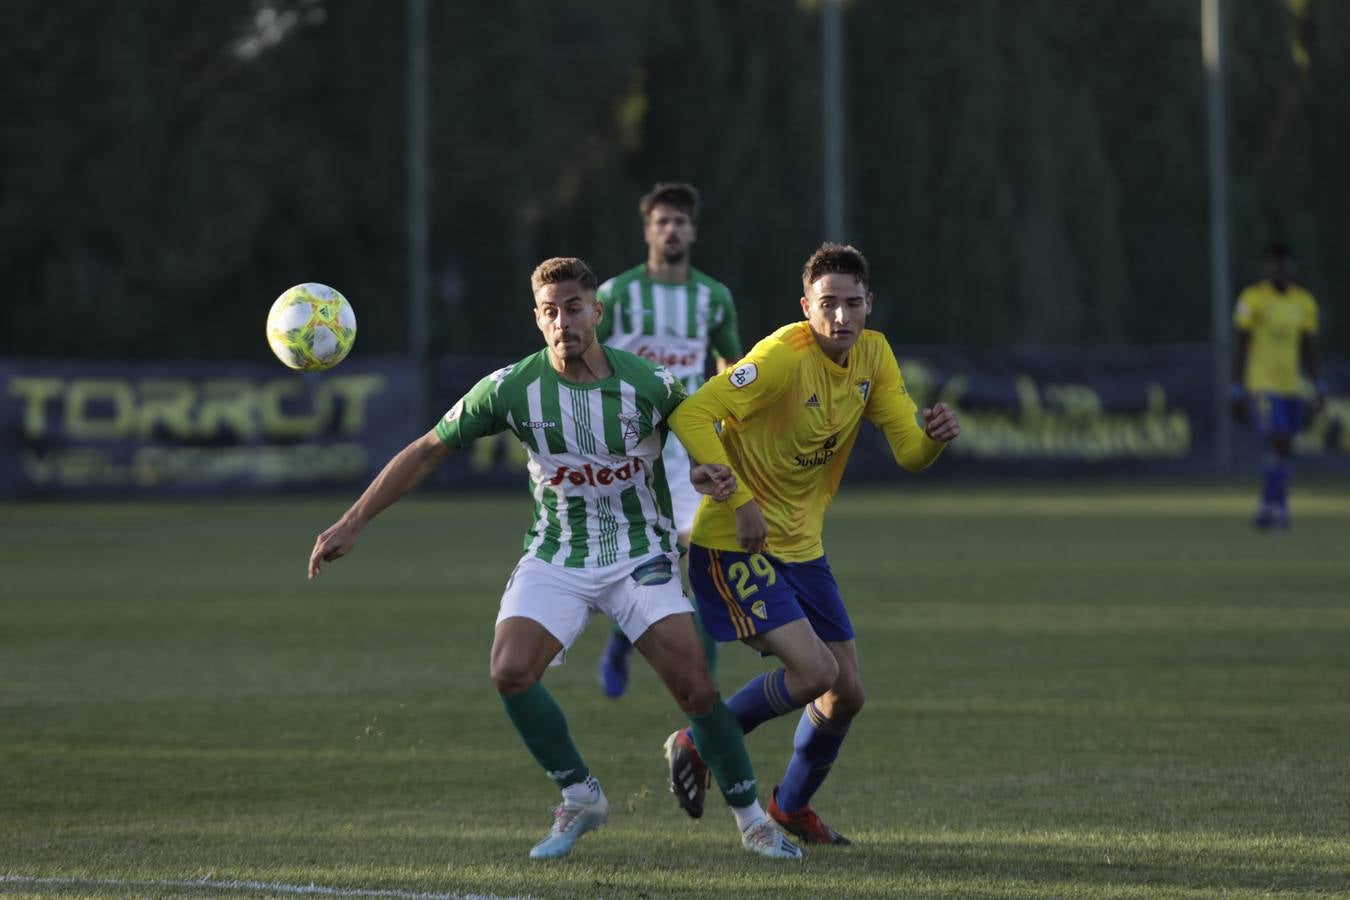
(744, 594)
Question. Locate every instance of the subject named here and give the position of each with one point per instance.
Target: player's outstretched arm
(399, 476)
(1312, 364)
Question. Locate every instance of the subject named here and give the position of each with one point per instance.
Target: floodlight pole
(1211, 39)
(832, 98)
(418, 280)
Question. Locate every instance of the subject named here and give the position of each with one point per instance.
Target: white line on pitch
(309, 889)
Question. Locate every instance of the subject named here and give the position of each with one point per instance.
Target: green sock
(721, 743)
(542, 726)
(709, 643)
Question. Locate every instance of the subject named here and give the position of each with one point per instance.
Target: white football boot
(570, 821)
(764, 838)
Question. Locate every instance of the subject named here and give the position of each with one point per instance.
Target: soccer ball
(311, 327)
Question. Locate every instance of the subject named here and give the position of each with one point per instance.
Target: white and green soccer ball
(311, 327)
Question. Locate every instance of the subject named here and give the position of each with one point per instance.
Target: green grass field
(1097, 692)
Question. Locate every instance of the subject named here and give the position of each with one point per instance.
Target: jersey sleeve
(1244, 314)
(892, 409)
(725, 335)
(752, 384)
(477, 414)
(605, 294)
(1308, 322)
(670, 394)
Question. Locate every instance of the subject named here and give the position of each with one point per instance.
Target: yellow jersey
(789, 417)
(1276, 322)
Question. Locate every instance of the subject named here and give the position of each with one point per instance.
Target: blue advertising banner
(89, 429)
(86, 428)
(1135, 410)
(1100, 411)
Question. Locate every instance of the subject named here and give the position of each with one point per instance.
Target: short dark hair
(831, 258)
(1279, 248)
(678, 194)
(560, 269)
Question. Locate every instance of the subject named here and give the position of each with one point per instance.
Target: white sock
(587, 791)
(749, 815)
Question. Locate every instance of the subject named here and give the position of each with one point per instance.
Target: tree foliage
(1020, 173)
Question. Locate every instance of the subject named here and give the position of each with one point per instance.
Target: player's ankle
(749, 816)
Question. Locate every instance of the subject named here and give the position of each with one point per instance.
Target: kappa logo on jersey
(813, 402)
(744, 375)
(741, 787)
(667, 378)
(593, 476)
(865, 386)
(542, 423)
(630, 421)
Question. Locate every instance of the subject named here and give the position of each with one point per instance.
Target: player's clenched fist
(717, 481)
(939, 423)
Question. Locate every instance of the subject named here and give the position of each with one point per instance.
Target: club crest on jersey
(744, 375)
(630, 421)
(758, 609)
(864, 387)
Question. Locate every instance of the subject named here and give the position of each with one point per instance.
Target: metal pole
(832, 96)
(1211, 39)
(418, 280)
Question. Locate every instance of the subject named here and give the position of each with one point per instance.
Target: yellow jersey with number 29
(789, 417)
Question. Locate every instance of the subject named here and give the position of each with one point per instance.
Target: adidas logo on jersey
(813, 402)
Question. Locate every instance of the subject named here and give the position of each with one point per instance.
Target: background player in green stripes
(592, 420)
(669, 312)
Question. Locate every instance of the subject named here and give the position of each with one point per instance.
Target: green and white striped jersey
(599, 485)
(670, 324)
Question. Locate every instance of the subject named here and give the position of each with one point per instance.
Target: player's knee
(817, 678)
(847, 699)
(696, 695)
(510, 679)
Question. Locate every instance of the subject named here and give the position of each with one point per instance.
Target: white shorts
(563, 600)
(683, 497)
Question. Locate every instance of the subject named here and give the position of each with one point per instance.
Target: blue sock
(1275, 485)
(814, 749)
(763, 698)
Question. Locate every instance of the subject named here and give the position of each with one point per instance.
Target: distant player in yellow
(790, 412)
(1275, 339)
